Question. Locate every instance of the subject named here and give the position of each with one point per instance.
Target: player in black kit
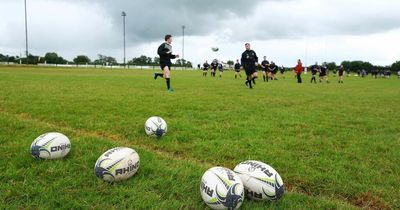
(237, 69)
(205, 68)
(214, 66)
(265, 69)
(341, 71)
(323, 74)
(273, 69)
(314, 70)
(165, 53)
(249, 62)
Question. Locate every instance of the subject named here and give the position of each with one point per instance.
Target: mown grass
(335, 146)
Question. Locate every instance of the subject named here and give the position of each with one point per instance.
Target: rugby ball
(50, 146)
(215, 49)
(221, 188)
(117, 164)
(155, 127)
(261, 181)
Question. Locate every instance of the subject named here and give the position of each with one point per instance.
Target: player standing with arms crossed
(249, 62)
(165, 53)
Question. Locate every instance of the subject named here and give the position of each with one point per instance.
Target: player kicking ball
(165, 53)
(249, 62)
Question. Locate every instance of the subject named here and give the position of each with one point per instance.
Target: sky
(282, 30)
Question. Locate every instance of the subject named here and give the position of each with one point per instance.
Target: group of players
(269, 69)
(248, 62)
(323, 73)
(214, 66)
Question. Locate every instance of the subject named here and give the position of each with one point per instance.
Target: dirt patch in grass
(368, 201)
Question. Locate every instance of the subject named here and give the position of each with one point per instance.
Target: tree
(357, 65)
(105, 60)
(51, 58)
(183, 63)
(230, 63)
(142, 60)
(81, 59)
(61, 60)
(3, 58)
(32, 59)
(346, 64)
(395, 66)
(156, 60)
(331, 65)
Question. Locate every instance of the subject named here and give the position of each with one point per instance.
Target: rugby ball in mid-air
(117, 164)
(50, 146)
(215, 49)
(261, 181)
(221, 188)
(155, 127)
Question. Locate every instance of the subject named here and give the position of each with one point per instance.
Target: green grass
(335, 146)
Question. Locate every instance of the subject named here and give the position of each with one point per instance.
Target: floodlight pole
(123, 19)
(183, 43)
(26, 34)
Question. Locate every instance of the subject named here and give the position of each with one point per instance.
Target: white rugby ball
(261, 181)
(221, 188)
(50, 146)
(155, 127)
(117, 164)
(215, 49)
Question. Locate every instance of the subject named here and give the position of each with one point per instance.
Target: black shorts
(322, 75)
(163, 65)
(340, 74)
(237, 70)
(249, 72)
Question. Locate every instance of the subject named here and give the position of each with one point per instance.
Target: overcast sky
(282, 30)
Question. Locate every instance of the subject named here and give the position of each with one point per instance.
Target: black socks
(157, 75)
(168, 80)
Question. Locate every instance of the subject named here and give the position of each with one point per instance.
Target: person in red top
(299, 69)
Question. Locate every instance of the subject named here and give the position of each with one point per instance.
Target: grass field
(335, 146)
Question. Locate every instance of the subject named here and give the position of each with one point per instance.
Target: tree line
(54, 58)
(355, 66)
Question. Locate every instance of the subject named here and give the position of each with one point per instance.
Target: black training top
(214, 65)
(265, 64)
(273, 68)
(165, 53)
(249, 58)
(341, 70)
(206, 66)
(237, 66)
(323, 70)
(314, 69)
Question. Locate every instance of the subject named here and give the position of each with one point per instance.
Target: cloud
(150, 20)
